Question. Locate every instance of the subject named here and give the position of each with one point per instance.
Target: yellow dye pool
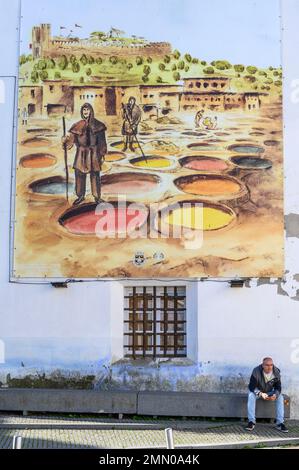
(212, 187)
(199, 218)
(152, 163)
(114, 156)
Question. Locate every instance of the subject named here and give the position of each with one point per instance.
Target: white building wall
(77, 332)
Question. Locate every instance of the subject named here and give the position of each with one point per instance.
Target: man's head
(87, 111)
(132, 101)
(267, 365)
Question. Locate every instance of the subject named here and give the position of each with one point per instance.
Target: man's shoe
(78, 201)
(125, 149)
(250, 426)
(132, 148)
(282, 427)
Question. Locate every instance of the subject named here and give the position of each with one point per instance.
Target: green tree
(239, 68)
(90, 60)
(209, 70)
(187, 68)
(83, 59)
(145, 78)
(269, 81)
(149, 60)
(250, 78)
(278, 83)
(113, 60)
(195, 60)
(203, 62)
(159, 79)
(262, 73)
(188, 58)
(167, 59)
(51, 64)
(43, 75)
(222, 64)
(146, 70)
(181, 65)
(42, 64)
(76, 67)
(73, 59)
(57, 75)
(251, 69)
(139, 60)
(176, 54)
(82, 80)
(88, 71)
(173, 67)
(176, 76)
(161, 66)
(99, 60)
(34, 76)
(63, 62)
(23, 59)
(129, 66)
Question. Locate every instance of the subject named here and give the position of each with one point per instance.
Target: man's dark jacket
(257, 381)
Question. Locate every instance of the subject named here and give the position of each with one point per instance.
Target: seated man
(265, 383)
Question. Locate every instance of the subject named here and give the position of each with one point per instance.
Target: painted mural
(149, 148)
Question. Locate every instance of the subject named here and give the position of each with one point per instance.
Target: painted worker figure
(265, 384)
(199, 118)
(131, 113)
(88, 135)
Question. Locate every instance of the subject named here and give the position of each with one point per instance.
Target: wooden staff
(65, 160)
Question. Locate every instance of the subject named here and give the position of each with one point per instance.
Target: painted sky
(246, 31)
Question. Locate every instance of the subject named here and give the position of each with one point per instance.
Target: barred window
(155, 322)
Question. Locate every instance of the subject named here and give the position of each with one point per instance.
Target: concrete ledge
(218, 405)
(188, 404)
(67, 401)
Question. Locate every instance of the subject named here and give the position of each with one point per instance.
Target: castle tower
(41, 40)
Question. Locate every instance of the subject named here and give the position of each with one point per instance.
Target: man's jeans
(279, 403)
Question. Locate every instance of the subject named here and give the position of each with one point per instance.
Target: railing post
(169, 438)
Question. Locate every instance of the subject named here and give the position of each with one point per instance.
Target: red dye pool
(106, 221)
(204, 163)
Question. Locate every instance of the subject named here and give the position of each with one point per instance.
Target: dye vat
(256, 134)
(246, 148)
(120, 145)
(36, 141)
(38, 160)
(221, 134)
(54, 185)
(114, 156)
(39, 130)
(129, 183)
(271, 143)
(195, 216)
(104, 220)
(251, 163)
(217, 186)
(152, 161)
(202, 163)
(202, 145)
(194, 133)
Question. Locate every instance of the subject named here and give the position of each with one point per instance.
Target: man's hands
(67, 142)
(265, 396)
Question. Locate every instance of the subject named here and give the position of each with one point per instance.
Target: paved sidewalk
(51, 432)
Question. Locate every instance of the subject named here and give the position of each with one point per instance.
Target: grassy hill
(134, 71)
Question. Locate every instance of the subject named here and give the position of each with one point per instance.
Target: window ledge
(158, 362)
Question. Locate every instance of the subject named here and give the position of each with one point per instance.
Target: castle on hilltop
(44, 45)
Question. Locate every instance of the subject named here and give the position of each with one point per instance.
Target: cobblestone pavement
(83, 433)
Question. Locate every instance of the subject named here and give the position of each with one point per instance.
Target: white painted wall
(79, 329)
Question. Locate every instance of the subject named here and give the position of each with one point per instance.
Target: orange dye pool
(209, 186)
(39, 160)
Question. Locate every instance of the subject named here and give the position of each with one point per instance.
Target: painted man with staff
(131, 113)
(88, 135)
